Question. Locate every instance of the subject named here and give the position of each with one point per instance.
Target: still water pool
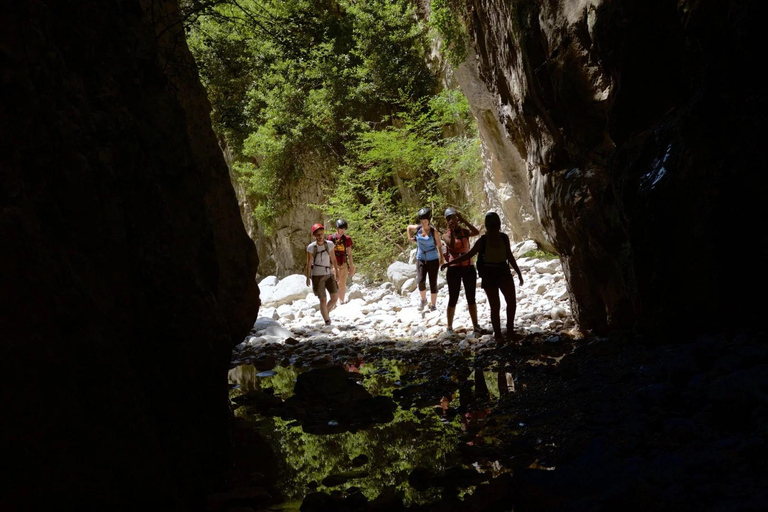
(376, 428)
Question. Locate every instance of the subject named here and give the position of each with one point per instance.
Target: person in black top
(497, 257)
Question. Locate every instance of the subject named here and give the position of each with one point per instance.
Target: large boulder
(399, 272)
(287, 290)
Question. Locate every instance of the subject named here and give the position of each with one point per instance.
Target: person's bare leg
(324, 307)
(508, 289)
(495, 304)
(343, 283)
(449, 313)
(434, 299)
(473, 315)
(332, 302)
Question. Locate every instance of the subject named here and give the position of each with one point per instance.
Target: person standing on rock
(429, 255)
(323, 270)
(496, 256)
(343, 250)
(456, 241)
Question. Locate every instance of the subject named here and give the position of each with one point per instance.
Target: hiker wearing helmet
(456, 240)
(493, 267)
(429, 255)
(343, 250)
(322, 269)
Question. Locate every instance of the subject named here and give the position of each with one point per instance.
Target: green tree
(341, 82)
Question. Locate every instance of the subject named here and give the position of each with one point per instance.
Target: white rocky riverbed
(390, 310)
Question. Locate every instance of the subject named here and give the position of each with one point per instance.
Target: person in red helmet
(322, 270)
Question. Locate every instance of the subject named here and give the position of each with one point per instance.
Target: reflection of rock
(258, 399)
(329, 385)
(328, 400)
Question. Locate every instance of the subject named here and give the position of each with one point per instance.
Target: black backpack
(480, 265)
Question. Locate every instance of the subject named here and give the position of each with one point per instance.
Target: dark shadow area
(547, 423)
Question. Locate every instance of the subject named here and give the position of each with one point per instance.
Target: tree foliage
(297, 81)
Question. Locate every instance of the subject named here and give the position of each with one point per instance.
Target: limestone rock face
(126, 273)
(631, 132)
(505, 174)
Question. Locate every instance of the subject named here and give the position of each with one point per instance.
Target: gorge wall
(127, 275)
(631, 133)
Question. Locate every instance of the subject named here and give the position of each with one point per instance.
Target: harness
(316, 252)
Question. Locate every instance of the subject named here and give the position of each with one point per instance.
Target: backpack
(480, 265)
(341, 241)
(316, 252)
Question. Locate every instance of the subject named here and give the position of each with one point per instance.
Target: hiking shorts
(322, 283)
(497, 276)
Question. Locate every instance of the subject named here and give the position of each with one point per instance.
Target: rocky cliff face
(127, 276)
(284, 251)
(630, 132)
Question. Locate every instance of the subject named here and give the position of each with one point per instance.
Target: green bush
(540, 255)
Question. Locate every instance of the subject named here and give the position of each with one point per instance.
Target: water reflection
(434, 414)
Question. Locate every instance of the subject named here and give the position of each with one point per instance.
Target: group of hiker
(435, 251)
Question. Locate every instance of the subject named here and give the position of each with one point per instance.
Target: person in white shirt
(322, 271)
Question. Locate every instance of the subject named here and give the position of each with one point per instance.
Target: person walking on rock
(456, 241)
(493, 266)
(323, 269)
(343, 250)
(429, 255)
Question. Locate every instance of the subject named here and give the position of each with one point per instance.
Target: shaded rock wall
(640, 125)
(285, 251)
(126, 273)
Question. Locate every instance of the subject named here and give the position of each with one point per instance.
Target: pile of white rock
(391, 310)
